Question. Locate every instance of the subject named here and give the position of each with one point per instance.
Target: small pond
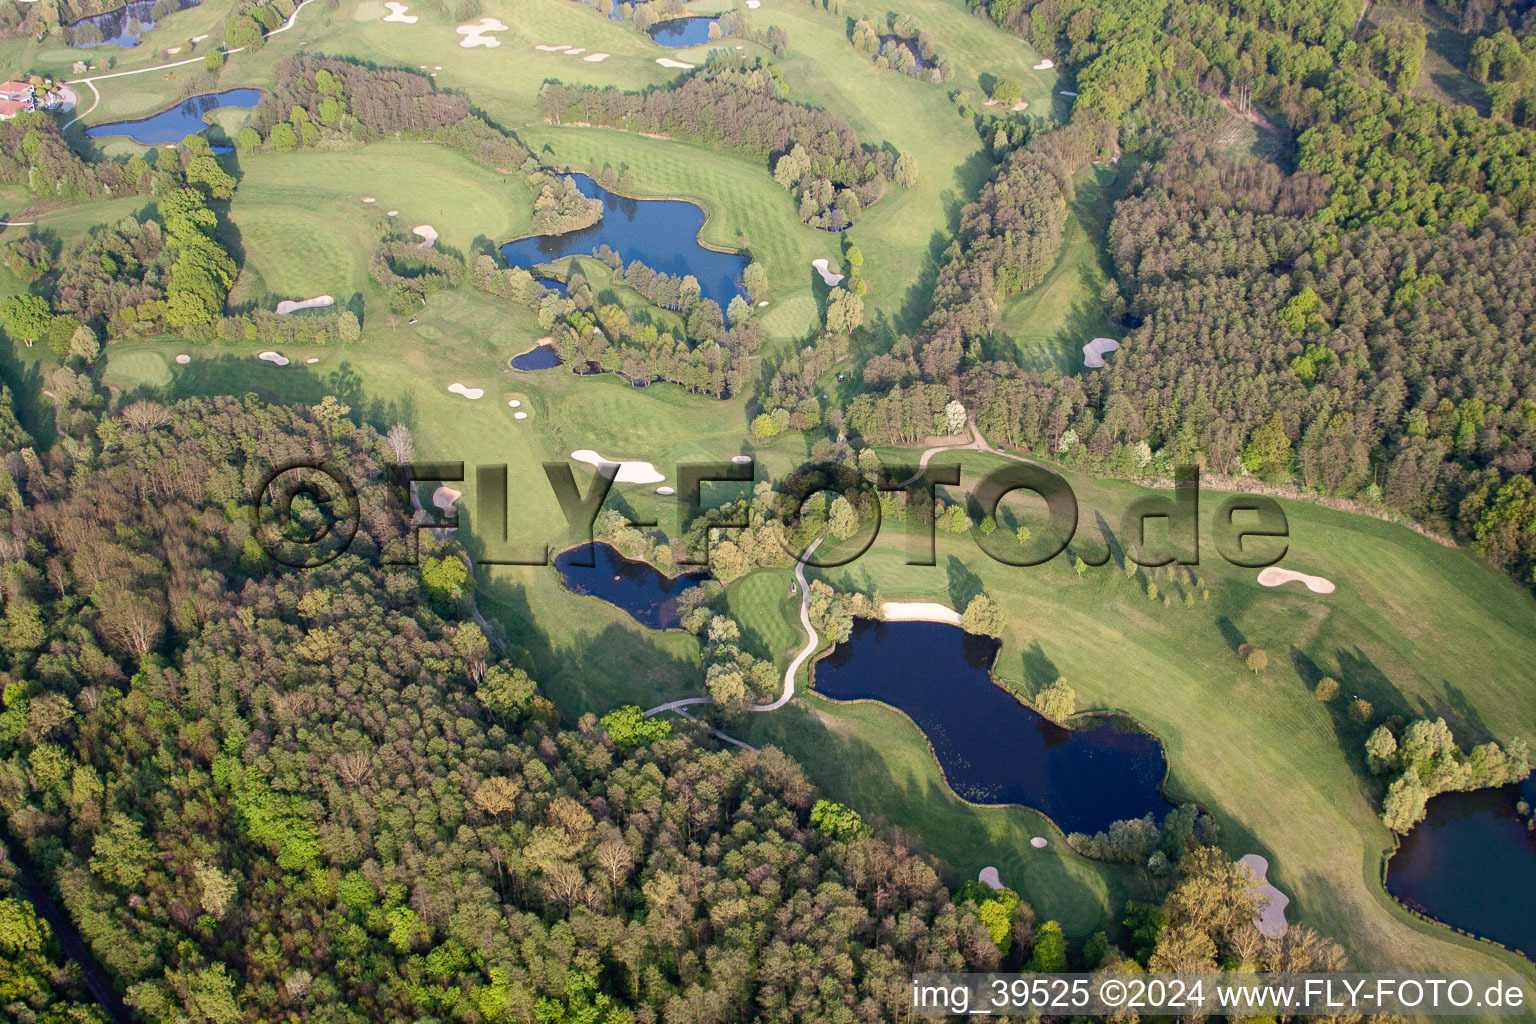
(540, 357)
(992, 748)
(637, 587)
(680, 33)
(175, 124)
(116, 26)
(555, 285)
(661, 233)
(1472, 864)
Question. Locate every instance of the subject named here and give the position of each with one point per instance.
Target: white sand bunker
(273, 357)
(551, 49)
(428, 235)
(573, 51)
(1271, 922)
(918, 611)
(833, 280)
(595, 58)
(397, 13)
(391, 213)
(288, 305)
(172, 51)
(469, 393)
(369, 199)
(990, 878)
(763, 303)
(1045, 65)
(741, 460)
(632, 471)
(198, 39)
(754, 4)
(1039, 842)
(1095, 350)
(665, 492)
(668, 62)
(474, 35)
(513, 404)
(519, 415)
(183, 359)
(444, 497)
(312, 360)
(1274, 576)
(1021, 105)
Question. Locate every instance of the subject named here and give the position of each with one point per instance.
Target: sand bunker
(391, 213)
(397, 13)
(312, 360)
(665, 492)
(513, 404)
(172, 51)
(990, 878)
(1271, 922)
(288, 306)
(1039, 842)
(632, 471)
(444, 497)
(1274, 576)
(1021, 105)
(741, 460)
(369, 199)
(573, 51)
(595, 58)
(833, 280)
(474, 35)
(1095, 350)
(551, 49)
(198, 39)
(519, 415)
(1045, 65)
(763, 303)
(273, 357)
(754, 4)
(469, 393)
(918, 611)
(183, 359)
(428, 235)
(668, 62)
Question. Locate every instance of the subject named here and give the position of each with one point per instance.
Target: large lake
(637, 587)
(1472, 864)
(994, 749)
(661, 233)
(175, 124)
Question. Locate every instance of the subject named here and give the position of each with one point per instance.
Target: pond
(992, 748)
(540, 357)
(175, 124)
(1472, 864)
(637, 587)
(680, 33)
(115, 26)
(661, 233)
(555, 285)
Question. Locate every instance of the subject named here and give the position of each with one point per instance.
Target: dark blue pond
(540, 357)
(175, 124)
(555, 285)
(1472, 864)
(680, 33)
(116, 26)
(661, 233)
(993, 749)
(637, 587)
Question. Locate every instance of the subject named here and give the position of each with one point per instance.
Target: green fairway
(1049, 324)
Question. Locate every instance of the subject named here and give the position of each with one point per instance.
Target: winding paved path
(811, 643)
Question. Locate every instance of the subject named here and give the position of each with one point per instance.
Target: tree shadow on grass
(232, 375)
(963, 584)
(1039, 670)
(33, 409)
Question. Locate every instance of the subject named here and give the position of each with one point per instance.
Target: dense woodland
(1359, 326)
(739, 105)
